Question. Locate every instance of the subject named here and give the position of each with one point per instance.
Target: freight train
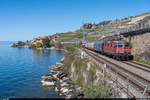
(115, 48)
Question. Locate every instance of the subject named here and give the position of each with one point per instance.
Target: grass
(69, 36)
(98, 91)
(141, 61)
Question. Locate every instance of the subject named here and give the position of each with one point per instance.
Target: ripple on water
(21, 71)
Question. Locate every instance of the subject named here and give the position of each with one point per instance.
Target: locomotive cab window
(118, 45)
(111, 43)
(127, 45)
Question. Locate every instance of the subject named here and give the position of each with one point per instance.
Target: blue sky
(25, 19)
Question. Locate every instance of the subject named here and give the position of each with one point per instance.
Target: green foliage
(80, 67)
(92, 74)
(141, 61)
(20, 43)
(70, 48)
(38, 45)
(69, 57)
(98, 91)
(46, 43)
(70, 36)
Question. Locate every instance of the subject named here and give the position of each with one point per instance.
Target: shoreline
(51, 48)
(60, 82)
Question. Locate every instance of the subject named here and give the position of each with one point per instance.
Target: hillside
(140, 43)
(95, 31)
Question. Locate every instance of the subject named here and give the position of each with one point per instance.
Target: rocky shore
(61, 82)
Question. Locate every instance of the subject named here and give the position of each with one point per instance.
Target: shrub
(14, 45)
(46, 43)
(20, 43)
(95, 91)
(38, 45)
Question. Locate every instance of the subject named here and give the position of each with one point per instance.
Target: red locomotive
(114, 48)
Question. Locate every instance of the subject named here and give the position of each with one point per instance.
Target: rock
(52, 67)
(65, 90)
(56, 89)
(58, 63)
(62, 59)
(64, 84)
(54, 71)
(65, 78)
(60, 94)
(46, 76)
(79, 88)
(48, 83)
(68, 97)
(55, 76)
(64, 75)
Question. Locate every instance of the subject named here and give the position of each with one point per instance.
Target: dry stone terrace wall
(141, 46)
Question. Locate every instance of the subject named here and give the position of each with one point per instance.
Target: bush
(20, 43)
(14, 45)
(95, 91)
(46, 43)
(38, 45)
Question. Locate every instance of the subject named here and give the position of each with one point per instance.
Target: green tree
(46, 43)
(38, 45)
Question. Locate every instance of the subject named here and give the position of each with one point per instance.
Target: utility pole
(118, 29)
(83, 32)
(84, 40)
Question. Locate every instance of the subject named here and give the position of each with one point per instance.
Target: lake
(21, 70)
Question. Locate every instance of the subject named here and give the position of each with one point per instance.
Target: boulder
(48, 83)
(64, 84)
(47, 76)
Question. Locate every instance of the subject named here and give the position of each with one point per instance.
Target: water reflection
(40, 54)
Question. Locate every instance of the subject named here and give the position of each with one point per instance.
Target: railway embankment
(86, 74)
(75, 71)
(128, 78)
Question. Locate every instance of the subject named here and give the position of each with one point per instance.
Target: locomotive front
(123, 50)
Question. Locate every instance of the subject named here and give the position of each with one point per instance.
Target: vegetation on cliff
(73, 59)
(141, 61)
(98, 91)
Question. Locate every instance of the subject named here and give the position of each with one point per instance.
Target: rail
(129, 76)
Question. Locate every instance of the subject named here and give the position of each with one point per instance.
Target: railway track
(138, 65)
(136, 80)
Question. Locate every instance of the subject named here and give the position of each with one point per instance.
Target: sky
(26, 19)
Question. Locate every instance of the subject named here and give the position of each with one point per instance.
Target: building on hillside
(39, 39)
(43, 37)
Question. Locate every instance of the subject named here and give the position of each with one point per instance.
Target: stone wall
(141, 46)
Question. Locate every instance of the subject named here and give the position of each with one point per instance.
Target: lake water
(21, 70)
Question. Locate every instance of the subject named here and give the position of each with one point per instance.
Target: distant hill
(95, 31)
